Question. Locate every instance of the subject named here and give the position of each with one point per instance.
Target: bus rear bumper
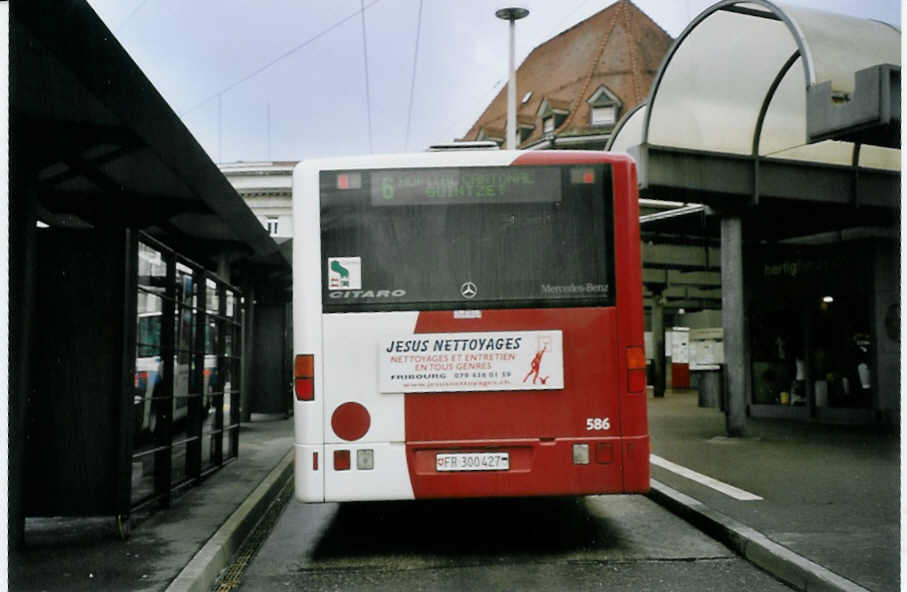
(536, 467)
(360, 471)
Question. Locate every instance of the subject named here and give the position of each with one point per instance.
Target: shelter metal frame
(215, 312)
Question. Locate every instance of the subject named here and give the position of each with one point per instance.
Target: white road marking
(715, 484)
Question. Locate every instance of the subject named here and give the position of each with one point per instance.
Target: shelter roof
(757, 101)
(101, 147)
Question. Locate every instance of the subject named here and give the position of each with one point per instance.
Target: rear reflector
(315, 461)
(351, 421)
(341, 460)
(581, 454)
(304, 377)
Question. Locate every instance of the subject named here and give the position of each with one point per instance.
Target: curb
(789, 567)
(200, 574)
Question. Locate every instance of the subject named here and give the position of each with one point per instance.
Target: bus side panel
(308, 416)
(537, 428)
(627, 261)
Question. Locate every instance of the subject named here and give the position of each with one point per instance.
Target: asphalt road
(612, 543)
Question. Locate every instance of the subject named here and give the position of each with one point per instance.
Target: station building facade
(267, 188)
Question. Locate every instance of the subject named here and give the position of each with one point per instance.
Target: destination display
(456, 362)
(465, 185)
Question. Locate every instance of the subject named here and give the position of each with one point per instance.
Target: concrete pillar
(658, 339)
(733, 318)
(886, 323)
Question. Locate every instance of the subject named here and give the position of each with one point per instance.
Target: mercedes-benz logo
(469, 290)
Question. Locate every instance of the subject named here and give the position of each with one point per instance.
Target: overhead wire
(368, 100)
(412, 86)
(558, 28)
(476, 100)
(257, 71)
(131, 14)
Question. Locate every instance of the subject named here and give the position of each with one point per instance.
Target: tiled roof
(557, 104)
(493, 132)
(619, 47)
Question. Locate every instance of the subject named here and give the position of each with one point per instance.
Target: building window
(603, 115)
(273, 225)
(604, 108)
(553, 117)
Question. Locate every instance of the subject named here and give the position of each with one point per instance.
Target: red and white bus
(468, 324)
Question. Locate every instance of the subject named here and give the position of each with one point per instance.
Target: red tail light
(304, 377)
(636, 369)
(341, 460)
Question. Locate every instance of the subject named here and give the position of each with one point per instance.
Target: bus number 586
(598, 423)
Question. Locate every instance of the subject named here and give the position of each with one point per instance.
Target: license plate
(473, 461)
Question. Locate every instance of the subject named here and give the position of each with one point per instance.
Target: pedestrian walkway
(828, 493)
(87, 554)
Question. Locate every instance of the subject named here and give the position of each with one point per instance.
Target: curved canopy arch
(753, 93)
(628, 130)
(736, 79)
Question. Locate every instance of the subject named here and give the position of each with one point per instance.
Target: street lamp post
(512, 14)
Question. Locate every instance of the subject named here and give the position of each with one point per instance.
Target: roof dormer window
(553, 113)
(604, 108)
(523, 132)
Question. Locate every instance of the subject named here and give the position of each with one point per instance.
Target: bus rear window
(467, 238)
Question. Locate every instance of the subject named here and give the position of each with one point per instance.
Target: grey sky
(317, 95)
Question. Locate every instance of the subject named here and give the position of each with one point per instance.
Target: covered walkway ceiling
(94, 144)
(784, 108)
